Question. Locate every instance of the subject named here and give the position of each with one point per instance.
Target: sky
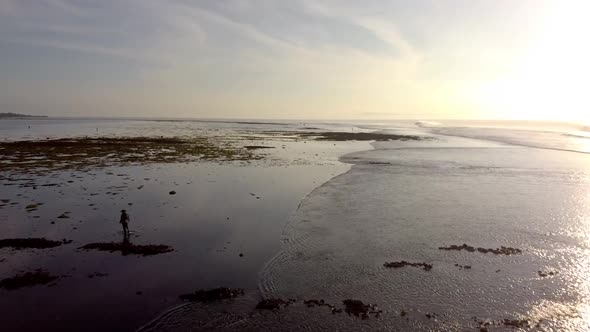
(296, 59)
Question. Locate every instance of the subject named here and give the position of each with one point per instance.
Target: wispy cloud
(333, 57)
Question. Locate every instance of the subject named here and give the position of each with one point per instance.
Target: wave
(571, 141)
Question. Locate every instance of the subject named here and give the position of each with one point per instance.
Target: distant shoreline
(20, 116)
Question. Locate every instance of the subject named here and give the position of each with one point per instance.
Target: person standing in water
(125, 222)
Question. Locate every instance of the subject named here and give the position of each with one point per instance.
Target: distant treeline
(17, 115)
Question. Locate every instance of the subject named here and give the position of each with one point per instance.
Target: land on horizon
(11, 115)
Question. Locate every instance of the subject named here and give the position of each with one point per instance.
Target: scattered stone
(63, 216)
(241, 255)
(395, 265)
(38, 277)
(221, 293)
(128, 248)
(466, 267)
(31, 243)
(33, 207)
(431, 315)
(359, 309)
(172, 192)
(498, 251)
(272, 304)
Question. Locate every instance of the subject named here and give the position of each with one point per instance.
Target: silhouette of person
(125, 222)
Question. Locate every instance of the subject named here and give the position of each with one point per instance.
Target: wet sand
(220, 226)
(447, 235)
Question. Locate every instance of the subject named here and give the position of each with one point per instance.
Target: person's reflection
(126, 244)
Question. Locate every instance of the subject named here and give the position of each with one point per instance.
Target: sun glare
(549, 82)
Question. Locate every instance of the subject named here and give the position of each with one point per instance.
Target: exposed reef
(395, 265)
(498, 251)
(84, 152)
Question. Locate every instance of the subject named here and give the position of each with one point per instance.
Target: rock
(516, 323)
(359, 309)
(172, 192)
(498, 251)
(38, 277)
(31, 243)
(395, 265)
(221, 293)
(128, 248)
(272, 304)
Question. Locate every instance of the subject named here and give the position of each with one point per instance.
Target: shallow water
(399, 201)
(418, 199)
(220, 210)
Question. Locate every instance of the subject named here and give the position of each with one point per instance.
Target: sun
(549, 82)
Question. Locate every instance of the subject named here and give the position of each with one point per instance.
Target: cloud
(266, 57)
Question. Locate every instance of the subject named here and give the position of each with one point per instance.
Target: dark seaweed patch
(221, 293)
(349, 136)
(272, 304)
(38, 277)
(84, 152)
(395, 265)
(129, 249)
(498, 251)
(31, 243)
(359, 309)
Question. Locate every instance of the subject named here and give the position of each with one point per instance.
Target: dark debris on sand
(498, 251)
(31, 243)
(359, 309)
(38, 277)
(210, 295)
(395, 265)
(128, 248)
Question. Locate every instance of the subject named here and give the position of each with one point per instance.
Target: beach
(223, 221)
(434, 227)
